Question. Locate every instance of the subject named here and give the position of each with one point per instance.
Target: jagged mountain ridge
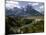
(20, 12)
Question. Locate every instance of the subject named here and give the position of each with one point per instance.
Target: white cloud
(41, 7)
(23, 6)
(33, 4)
(29, 3)
(18, 6)
(12, 4)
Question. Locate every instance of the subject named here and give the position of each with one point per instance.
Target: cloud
(18, 6)
(29, 3)
(41, 7)
(33, 4)
(12, 4)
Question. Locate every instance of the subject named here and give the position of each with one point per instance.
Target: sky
(39, 6)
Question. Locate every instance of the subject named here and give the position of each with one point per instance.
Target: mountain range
(27, 11)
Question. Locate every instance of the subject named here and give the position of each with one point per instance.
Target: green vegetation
(22, 25)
